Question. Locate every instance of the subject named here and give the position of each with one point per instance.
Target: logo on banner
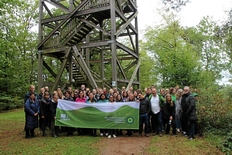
(64, 117)
(130, 120)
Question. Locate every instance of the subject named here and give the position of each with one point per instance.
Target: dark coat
(45, 109)
(168, 111)
(27, 96)
(31, 108)
(144, 106)
(53, 107)
(188, 104)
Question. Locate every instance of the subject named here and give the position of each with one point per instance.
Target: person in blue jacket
(32, 110)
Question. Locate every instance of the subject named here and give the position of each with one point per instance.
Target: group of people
(158, 110)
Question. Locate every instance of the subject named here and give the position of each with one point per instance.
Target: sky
(190, 15)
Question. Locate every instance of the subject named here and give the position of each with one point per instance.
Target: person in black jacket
(144, 110)
(45, 111)
(189, 116)
(53, 107)
(169, 114)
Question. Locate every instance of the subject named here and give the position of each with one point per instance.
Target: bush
(8, 102)
(214, 111)
(227, 144)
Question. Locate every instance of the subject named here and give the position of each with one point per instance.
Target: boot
(32, 133)
(44, 134)
(27, 133)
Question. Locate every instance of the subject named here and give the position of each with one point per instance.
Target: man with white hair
(31, 90)
(189, 117)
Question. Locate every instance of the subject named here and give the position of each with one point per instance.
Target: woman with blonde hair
(169, 115)
(178, 109)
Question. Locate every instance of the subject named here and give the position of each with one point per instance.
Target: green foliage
(8, 102)
(147, 76)
(225, 32)
(212, 51)
(214, 111)
(227, 144)
(176, 62)
(18, 49)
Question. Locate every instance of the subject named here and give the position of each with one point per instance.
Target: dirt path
(124, 145)
(167, 144)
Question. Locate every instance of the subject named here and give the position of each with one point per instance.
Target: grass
(13, 142)
(180, 145)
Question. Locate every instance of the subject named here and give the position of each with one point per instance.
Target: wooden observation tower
(95, 41)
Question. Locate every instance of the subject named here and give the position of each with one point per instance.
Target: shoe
(147, 135)
(101, 134)
(109, 136)
(44, 134)
(190, 138)
(160, 135)
(114, 135)
(154, 134)
(32, 134)
(178, 130)
(27, 136)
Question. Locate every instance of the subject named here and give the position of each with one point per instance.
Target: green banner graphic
(117, 115)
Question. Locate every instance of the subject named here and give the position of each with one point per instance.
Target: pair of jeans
(178, 123)
(143, 119)
(156, 120)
